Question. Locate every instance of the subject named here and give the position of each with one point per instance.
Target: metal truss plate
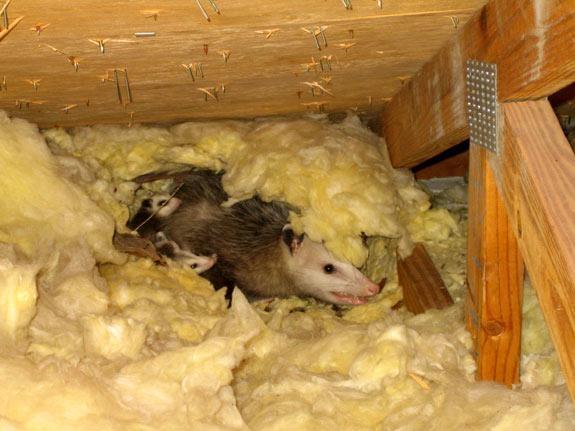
(482, 106)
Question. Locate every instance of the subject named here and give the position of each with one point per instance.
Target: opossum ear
(292, 240)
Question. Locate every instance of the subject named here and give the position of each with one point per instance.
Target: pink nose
(372, 288)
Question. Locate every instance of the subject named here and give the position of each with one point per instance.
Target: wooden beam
(455, 165)
(530, 40)
(261, 75)
(6, 31)
(422, 286)
(494, 277)
(535, 173)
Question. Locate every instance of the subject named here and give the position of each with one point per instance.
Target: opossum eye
(329, 269)
(194, 265)
(162, 203)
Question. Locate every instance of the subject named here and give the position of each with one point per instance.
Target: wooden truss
(521, 199)
(530, 40)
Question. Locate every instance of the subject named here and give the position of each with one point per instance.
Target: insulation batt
(316, 168)
(95, 341)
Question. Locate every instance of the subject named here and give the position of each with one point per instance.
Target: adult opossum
(256, 247)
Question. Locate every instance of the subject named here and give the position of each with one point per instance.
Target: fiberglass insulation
(94, 340)
(316, 168)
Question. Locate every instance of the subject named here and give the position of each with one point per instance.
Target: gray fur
(247, 239)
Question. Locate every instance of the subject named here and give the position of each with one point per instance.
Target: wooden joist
(6, 31)
(452, 165)
(422, 286)
(535, 174)
(530, 40)
(254, 57)
(495, 278)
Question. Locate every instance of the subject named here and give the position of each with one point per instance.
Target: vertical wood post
(495, 277)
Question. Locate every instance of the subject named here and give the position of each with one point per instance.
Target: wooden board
(494, 277)
(535, 173)
(262, 76)
(450, 165)
(422, 286)
(530, 40)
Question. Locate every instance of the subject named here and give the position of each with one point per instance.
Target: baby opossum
(171, 249)
(256, 247)
(147, 222)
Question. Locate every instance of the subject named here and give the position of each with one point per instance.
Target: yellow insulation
(127, 345)
(339, 176)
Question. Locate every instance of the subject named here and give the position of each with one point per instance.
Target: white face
(320, 274)
(164, 205)
(198, 263)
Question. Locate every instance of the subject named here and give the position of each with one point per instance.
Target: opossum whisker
(153, 214)
(348, 284)
(319, 284)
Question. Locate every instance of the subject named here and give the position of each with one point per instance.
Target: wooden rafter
(530, 40)
(448, 164)
(256, 63)
(535, 174)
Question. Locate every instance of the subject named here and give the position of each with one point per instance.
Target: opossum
(147, 222)
(257, 248)
(172, 250)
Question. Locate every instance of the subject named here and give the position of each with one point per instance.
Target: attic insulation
(95, 339)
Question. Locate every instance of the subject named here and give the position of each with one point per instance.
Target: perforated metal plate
(482, 106)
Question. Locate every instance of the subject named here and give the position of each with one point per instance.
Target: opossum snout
(355, 293)
(371, 287)
(319, 273)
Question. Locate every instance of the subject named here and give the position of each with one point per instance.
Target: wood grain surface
(373, 51)
(423, 288)
(535, 173)
(494, 277)
(531, 41)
